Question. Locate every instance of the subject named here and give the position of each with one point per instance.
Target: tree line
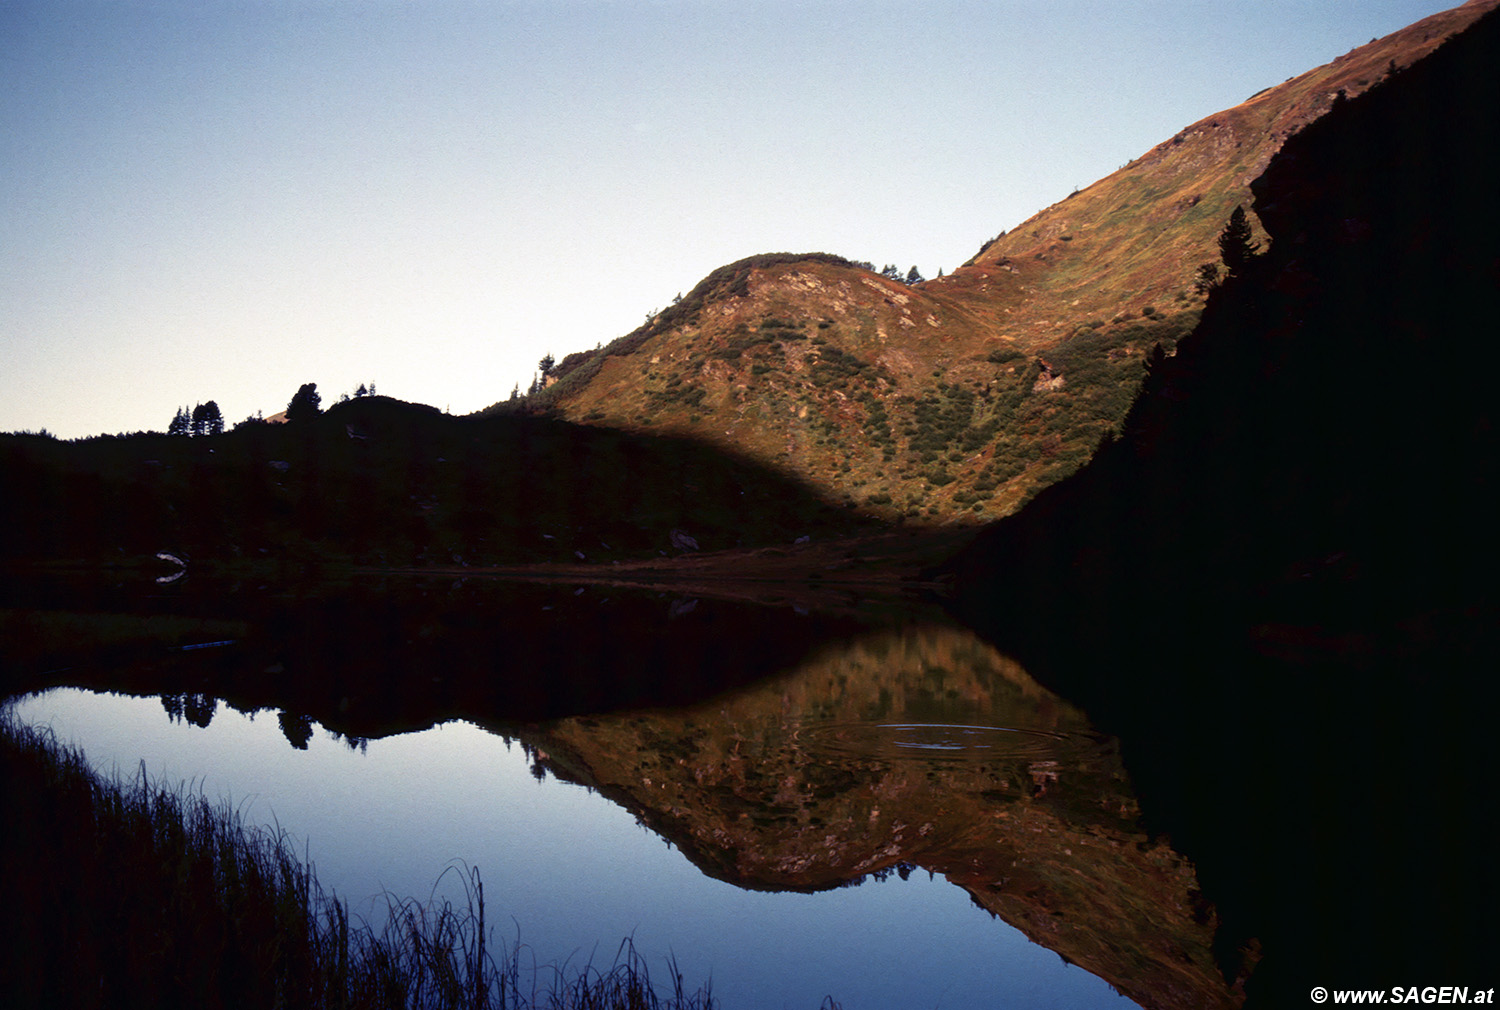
(208, 419)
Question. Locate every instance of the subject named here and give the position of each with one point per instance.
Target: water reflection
(915, 747)
(777, 750)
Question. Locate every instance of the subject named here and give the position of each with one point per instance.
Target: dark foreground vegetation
(139, 894)
(1278, 586)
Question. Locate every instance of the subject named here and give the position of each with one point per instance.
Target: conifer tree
(181, 423)
(1236, 245)
(305, 405)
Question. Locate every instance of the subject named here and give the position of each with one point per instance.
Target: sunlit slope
(957, 398)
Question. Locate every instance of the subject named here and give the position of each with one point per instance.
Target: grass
(122, 894)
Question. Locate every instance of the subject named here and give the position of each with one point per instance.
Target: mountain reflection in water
(915, 747)
(777, 750)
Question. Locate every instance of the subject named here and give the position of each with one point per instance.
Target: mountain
(955, 399)
(1277, 587)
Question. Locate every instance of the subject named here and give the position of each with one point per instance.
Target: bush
(1002, 355)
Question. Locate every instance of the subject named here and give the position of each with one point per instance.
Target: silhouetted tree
(361, 391)
(182, 423)
(545, 367)
(199, 423)
(1155, 359)
(1206, 279)
(305, 405)
(1236, 244)
(296, 728)
(199, 709)
(213, 419)
(914, 276)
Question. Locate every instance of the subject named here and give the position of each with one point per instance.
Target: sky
(225, 199)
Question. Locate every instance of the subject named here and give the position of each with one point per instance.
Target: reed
(132, 893)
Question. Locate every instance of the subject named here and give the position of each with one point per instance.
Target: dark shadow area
(379, 481)
(369, 657)
(1278, 586)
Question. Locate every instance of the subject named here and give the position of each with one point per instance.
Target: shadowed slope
(376, 480)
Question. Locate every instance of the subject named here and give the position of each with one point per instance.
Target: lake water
(898, 818)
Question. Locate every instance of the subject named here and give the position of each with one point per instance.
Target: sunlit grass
(133, 893)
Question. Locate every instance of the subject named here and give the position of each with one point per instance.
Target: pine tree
(181, 423)
(914, 276)
(1236, 245)
(200, 420)
(213, 419)
(305, 405)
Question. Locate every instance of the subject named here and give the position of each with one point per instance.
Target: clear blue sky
(224, 200)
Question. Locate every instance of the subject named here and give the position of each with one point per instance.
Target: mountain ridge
(956, 399)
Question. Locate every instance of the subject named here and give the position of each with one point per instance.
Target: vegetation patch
(135, 894)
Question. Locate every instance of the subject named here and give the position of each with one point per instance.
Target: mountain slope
(955, 399)
(1278, 586)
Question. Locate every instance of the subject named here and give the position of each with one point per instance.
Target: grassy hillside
(956, 399)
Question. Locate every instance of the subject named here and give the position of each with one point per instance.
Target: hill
(380, 481)
(1278, 586)
(955, 399)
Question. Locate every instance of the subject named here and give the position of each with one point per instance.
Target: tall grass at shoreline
(131, 893)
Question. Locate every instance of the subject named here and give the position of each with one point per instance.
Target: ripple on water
(929, 741)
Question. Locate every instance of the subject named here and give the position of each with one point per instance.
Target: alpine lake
(838, 798)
